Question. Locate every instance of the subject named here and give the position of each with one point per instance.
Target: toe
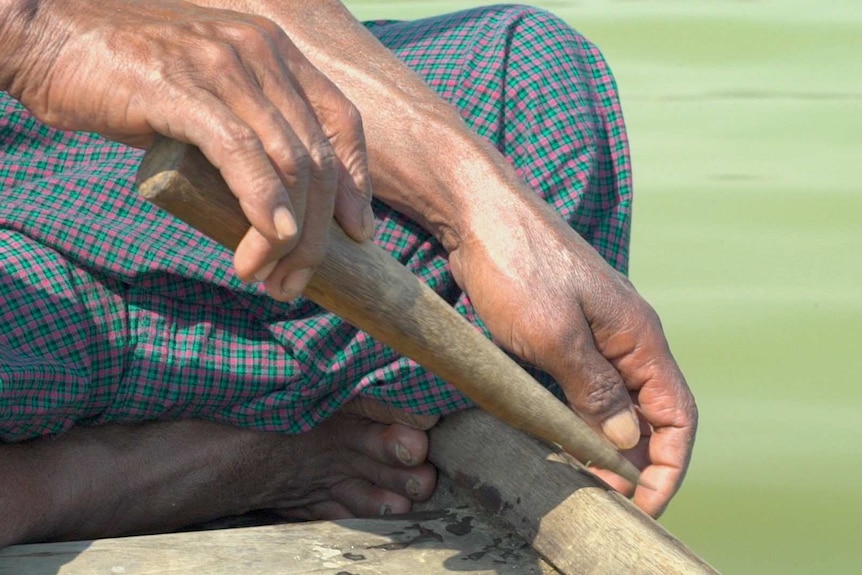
(396, 445)
(364, 499)
(416, 483)
(421, 484)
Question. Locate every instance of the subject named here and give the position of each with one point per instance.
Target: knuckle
(646, 311)
(649, 320)
(346, 122)
(271, 30)
(292, 160)
(219, 55)
(319, 164)
(283, 146)
(324, 159)
(300, 162)
(238, 139)
(224, 41)
(263, 26)
(250, 34)
(351, 117)
(601, 394)
(691, 414)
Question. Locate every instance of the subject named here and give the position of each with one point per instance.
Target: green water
(745, 121)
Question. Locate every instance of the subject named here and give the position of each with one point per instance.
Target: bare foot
(153, 477)
(356, 464)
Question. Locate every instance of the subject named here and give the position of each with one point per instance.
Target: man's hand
(543, 291)
(548, 297)
(286, 140)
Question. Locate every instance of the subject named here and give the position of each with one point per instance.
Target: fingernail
(368, 223)
(404, 455)
(295, 282)
(623, 429)
(385, 509)
(413, 488)
(264, 272)
(285, 224)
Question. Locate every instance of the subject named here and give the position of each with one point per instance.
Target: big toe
(393, 457)
(396, 445)
(368, 499)
(379, 468)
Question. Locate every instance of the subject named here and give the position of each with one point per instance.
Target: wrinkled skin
(245, 82)
(585, 324)
(286, 140)
(125, 479)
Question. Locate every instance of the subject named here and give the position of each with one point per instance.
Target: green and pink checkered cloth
(112, 311)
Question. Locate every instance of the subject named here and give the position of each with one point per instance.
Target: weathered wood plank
(427, 543)
(575, 522)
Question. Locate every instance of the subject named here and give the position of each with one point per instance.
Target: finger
(641, 354)
(242, 146)
(286, 276)
(289, 278)
(292, 274)
(260, 91)
(341, 122)
(305, 163)
(639, 457)
(670, 408)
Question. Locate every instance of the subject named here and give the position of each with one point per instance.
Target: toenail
(414, 490)
(403, 454)
(385, 509)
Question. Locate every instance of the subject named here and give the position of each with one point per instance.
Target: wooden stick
(570, 517)
(371, 290)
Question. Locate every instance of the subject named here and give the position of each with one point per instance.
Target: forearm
(113, 480)
(421, 154)
(424, 160)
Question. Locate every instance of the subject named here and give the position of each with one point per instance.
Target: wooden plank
(571, 518)
(428, 543)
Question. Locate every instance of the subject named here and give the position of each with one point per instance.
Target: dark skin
(301, 109)
(125, 479)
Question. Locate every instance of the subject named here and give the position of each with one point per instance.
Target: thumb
(596, 392)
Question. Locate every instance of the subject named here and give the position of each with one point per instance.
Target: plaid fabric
(115, 312)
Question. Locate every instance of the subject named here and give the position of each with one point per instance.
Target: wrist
(447, 179)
